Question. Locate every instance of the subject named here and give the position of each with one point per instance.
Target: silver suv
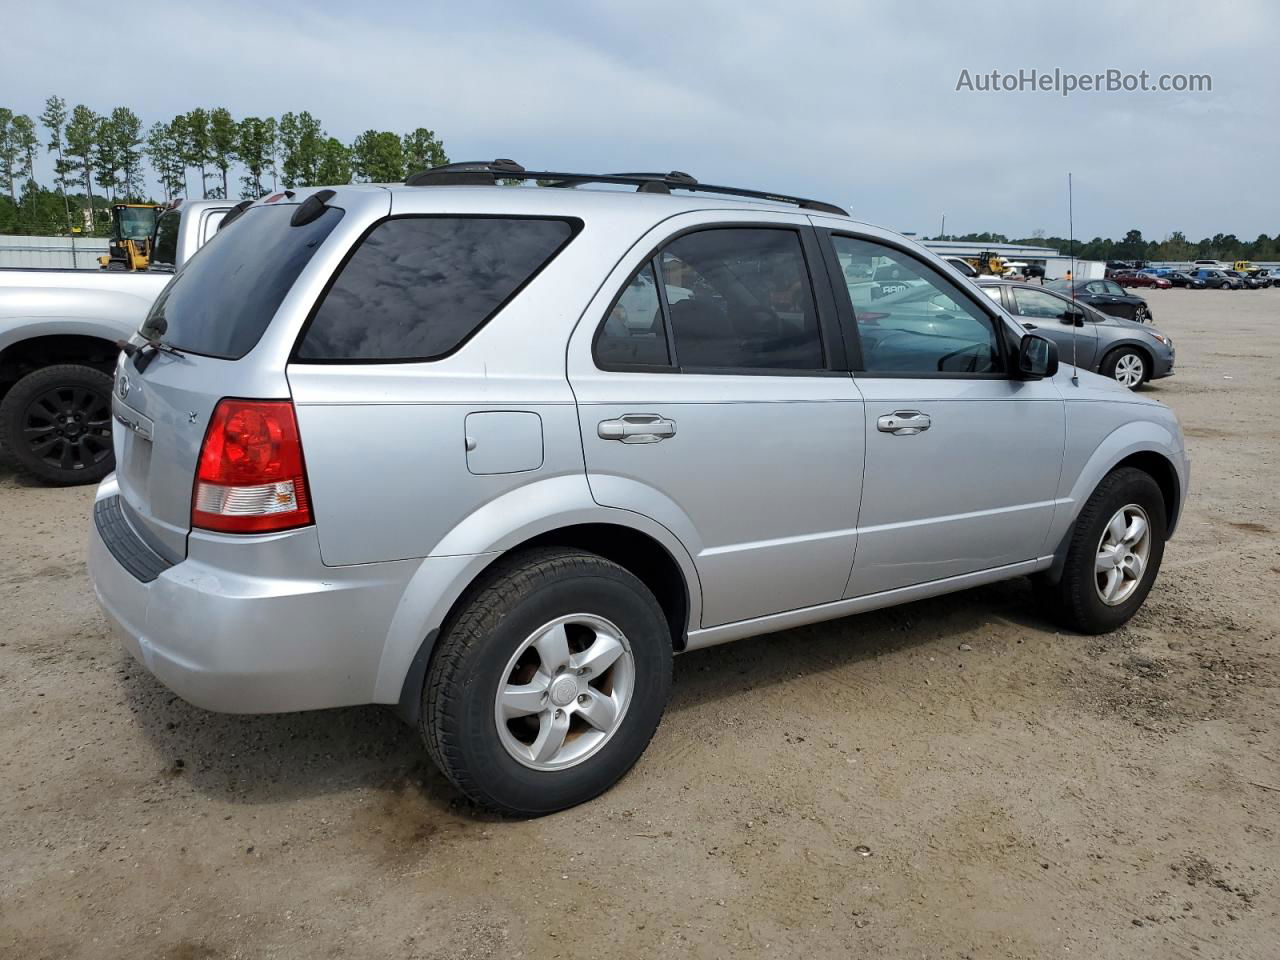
(494, 454)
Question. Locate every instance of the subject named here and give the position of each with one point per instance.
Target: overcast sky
(850, 102)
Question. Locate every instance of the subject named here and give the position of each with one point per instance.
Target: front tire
(56, 423)
(1127, 366)
(1114, 554)
(548, 683)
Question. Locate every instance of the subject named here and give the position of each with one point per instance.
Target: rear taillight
(251, 478)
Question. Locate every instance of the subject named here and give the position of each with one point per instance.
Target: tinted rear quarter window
(224, 297)
(416, 288)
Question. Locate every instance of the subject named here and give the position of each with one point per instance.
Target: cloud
(853, 103)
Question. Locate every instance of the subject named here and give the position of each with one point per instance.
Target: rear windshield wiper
(144, 353)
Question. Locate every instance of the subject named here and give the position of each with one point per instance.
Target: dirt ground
(949, 779)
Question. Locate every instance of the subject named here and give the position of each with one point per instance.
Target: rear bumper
(253, 624)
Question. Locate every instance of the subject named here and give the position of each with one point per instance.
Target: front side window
(910, 318)
(1113, 288)
(416, 288)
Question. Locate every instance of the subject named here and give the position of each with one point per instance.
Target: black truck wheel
(56, 423)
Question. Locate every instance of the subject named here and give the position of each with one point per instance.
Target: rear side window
(732, 299)
(224, 297)
(416, 288)
(633, 333)
(740, 299)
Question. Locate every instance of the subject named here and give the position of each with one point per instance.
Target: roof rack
(488, 173)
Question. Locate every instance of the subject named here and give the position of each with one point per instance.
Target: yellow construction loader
(988, 263)
(133, 225)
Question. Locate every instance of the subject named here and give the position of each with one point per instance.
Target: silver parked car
(493, 455)
(1129, 352)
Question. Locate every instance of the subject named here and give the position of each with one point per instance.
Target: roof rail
(488, 173)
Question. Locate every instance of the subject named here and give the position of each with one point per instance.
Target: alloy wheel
(565, 692)
(1122, 555)
(68, 427)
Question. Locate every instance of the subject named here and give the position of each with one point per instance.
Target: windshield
(220, 302)
(137, 223)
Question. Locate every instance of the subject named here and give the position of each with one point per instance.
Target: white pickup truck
(58, 334)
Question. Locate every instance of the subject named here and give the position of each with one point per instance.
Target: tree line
(1175, 248)
(100, 159)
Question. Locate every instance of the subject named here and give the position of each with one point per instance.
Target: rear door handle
(904, 423)
(637, 428)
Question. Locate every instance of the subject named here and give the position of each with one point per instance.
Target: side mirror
(1037, 357)
(1073, 316)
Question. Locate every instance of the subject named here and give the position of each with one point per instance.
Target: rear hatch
(209, 317)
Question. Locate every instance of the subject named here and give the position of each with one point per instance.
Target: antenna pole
(1071, 242)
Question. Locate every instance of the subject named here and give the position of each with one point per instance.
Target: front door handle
(637, 428)
(904, 423)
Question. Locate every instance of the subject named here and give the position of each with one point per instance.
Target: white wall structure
(58, 253)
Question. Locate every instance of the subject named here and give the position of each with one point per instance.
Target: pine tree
(335, 162)
(54, 119)
(423, 149)
(127, 130)
(25, 145)
(377, 156)
(222, 143)
(81, 133)
(8, 153)
(256, 140)
(301, 140)
(198, 145)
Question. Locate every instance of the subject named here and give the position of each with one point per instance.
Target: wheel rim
(68, 428)
(1122, 554)
(565, 692)
(1130, 370)
(1141, 315)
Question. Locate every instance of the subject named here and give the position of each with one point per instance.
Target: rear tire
(491, 660)
(56, 423)
(1079, 600)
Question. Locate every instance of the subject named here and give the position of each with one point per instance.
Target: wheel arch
(1146, 445)
(75, 345)
(442, 585)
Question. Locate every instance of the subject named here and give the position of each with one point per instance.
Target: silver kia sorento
(494, 454)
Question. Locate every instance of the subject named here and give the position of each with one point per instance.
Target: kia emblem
(122, 387)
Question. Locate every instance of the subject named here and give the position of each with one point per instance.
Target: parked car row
(1231, 279)
(1202, 274)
